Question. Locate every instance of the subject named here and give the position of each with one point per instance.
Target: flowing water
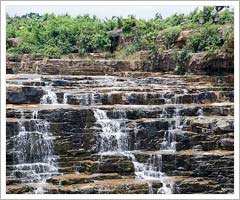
(114, 138)
(35, 161)
(33, 148)
(175, 125)
(49, 97)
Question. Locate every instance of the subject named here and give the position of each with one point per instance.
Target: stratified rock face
(139, 132)
(217, 64)
(199, 63)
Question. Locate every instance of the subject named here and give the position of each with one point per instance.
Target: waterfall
(65, 98)
(175, 125)
(114, 138)
(151, 169)
(49, 97)
(33, 149)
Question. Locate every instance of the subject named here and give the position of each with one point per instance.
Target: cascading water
(175, 125)
(33, 149)
(49, 97)
(65, 98)
(114, 138)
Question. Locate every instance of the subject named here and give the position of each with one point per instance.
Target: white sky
(102, 12)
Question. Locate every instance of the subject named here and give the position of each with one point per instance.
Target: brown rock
(14, 42)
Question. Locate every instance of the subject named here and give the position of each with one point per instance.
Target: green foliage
(169, 35)
(229, 37)
(180, 69)
(209, 37)
(209, 13)
(56, 35)
(52, 52)
(176, 19)
(52, 35)
(226, 17)
(24, 48)
(181, 58)
(128, 24)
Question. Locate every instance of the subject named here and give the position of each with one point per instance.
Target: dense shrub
(53, 35)
(169, 35)
(24, 48)
(208, 37)
(176, 19)
(181, 58)
(52, 52)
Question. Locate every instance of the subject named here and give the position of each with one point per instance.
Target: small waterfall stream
(33, 148)
(49, 97)
(175, 125)
(114, 138)
(35, 160)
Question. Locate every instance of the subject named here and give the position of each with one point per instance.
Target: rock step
(201, 132)
(111, 186)
(181, 185)
(105, 82)
(69, 179)
(138, 77)
(215, 125)
(134, 86)
(33, 95)
(195, 185)
(62, 112)
(190, 162)
(26, 89)
(223, 63)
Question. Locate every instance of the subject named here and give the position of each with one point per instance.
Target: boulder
(18, 189)
(183, 38)
(226, 143)
(21, 95)
(14, 42)
(220, 63)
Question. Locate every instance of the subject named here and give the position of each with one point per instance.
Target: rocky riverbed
(75, 128)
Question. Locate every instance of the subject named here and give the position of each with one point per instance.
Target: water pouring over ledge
(35, 161)
(49, 97)
(149, 126)
(114, 138)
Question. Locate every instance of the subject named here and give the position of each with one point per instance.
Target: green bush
(181, 58)
(176, 19)
(52, 52)
(208, 37)
(229, 37)
(226, 17)
(24, 48)
(169, 35)
(180, 69)
(50, 34)
(128, 24)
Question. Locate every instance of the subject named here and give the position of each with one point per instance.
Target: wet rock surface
(195, 113)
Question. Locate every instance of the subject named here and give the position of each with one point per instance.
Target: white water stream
(33, 149)
(114, 138)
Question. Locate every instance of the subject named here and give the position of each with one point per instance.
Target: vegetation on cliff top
(53, 36)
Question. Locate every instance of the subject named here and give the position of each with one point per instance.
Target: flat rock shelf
(124, 133)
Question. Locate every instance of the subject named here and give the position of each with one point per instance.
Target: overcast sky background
(143, 12)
